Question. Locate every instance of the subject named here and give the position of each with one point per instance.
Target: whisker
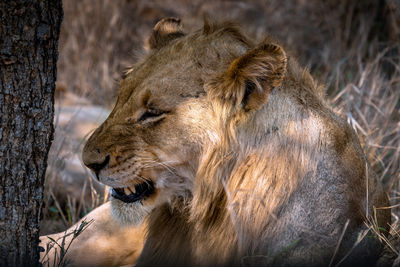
(153, 163)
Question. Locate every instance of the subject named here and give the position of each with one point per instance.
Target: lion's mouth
(137, 193)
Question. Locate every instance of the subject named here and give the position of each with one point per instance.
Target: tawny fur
(250, 164)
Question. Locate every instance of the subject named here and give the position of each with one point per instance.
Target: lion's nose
(96, 167)
(95, 161)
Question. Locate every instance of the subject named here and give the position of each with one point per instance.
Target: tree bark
(29, 32)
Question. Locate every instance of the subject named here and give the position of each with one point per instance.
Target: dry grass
(59, 249)
(351, 46)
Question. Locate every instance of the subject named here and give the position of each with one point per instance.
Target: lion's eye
(151, 113)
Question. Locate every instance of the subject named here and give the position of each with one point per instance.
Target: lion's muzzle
(127, 195)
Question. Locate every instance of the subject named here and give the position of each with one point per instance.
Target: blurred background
(350, 46)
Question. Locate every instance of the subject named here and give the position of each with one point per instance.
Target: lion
(229, 153)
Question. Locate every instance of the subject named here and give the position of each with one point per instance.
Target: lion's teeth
(133, 190)
(127, 191)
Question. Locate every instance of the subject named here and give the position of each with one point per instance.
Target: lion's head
(148, 150)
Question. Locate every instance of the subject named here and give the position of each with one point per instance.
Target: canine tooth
(133, 189)
(127, 191)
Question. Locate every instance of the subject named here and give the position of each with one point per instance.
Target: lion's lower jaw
(129, 213)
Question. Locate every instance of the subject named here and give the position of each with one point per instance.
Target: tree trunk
(29, 32)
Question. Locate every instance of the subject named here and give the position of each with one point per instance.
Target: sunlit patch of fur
(254, 168)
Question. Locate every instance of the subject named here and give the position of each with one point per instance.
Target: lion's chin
(129, 213)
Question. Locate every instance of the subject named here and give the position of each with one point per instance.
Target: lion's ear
(165, 30)
(250, 78)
